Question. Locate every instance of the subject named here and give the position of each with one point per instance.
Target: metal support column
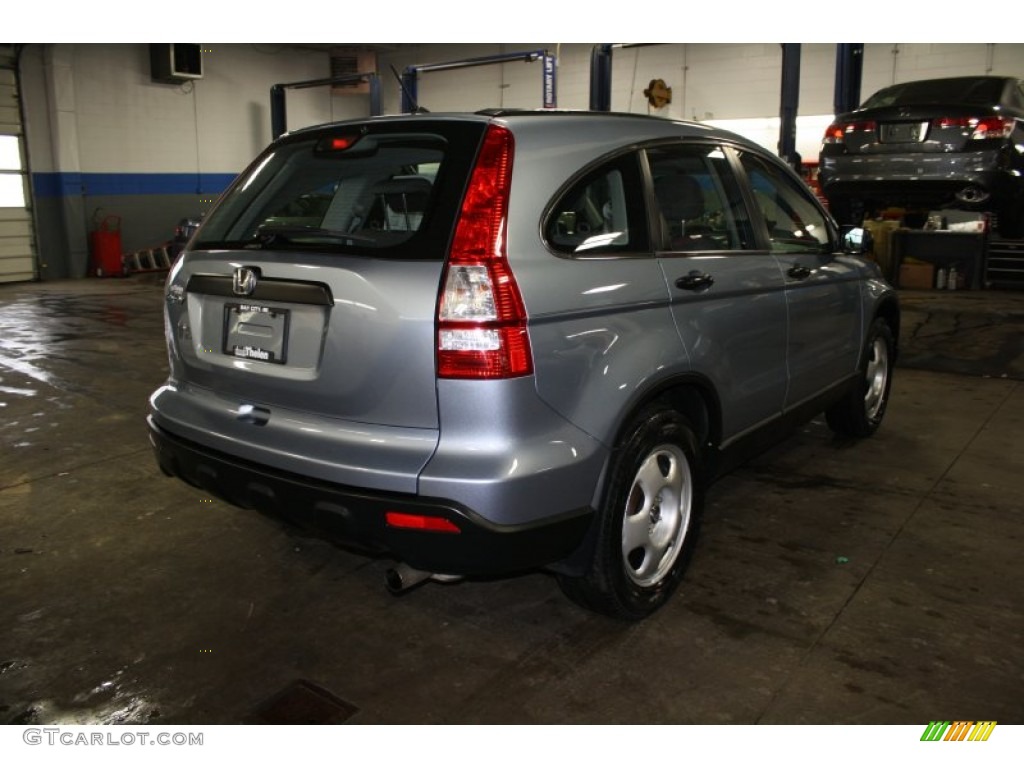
(376, 105)
(278, 111)
(849, 66)
(601, 77)
(789, 104)
(410, 97)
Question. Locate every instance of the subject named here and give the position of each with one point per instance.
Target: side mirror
(857, 240)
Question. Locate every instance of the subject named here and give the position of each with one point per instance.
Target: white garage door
(17, 257)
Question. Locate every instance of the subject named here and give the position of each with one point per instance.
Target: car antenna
(416, 108)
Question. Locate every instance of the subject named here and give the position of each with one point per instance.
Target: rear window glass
(343, 190)
(958, 90)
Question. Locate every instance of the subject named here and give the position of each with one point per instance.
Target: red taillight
(834, 134)
(481, 319)
(978, 127)
(837, 132)
(420, 522)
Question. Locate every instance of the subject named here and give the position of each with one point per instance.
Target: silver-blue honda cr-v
(483, 343)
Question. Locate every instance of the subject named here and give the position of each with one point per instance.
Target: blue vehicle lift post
(278, 109)
(789, 102)
(601, 73)
(410, 100)
(849, 66)
(601, 78)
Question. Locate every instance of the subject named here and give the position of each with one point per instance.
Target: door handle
(695, 281)
(799, 272)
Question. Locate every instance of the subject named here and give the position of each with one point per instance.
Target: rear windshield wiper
(269, 236)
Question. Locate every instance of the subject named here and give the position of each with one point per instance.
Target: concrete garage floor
(836, 582)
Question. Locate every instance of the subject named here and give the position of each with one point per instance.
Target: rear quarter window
(601, 213)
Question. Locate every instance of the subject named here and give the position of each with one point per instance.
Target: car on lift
(953, 142)
(501, 348)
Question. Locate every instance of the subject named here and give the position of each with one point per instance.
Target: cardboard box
(881, 235)
(918, 277)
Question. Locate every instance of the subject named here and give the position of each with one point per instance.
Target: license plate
(902, 131)
(255, 332)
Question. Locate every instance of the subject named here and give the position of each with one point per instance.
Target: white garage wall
(124, 122)
(888, 63)
(104, 139)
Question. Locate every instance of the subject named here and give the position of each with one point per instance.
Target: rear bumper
(931, 179)
(357, 516)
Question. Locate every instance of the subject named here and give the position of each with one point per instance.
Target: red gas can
(105, 245)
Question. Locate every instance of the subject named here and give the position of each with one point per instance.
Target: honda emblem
(244, 280)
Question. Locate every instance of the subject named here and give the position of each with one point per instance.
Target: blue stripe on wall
(88, 184)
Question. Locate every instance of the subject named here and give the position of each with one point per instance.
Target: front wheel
(860, 412)
(647, 523)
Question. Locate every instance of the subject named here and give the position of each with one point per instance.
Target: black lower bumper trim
(357, 516)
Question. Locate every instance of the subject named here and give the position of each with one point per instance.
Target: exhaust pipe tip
(402, 578)
(972, 195)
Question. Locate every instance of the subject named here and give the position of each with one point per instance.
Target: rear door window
(699, 203)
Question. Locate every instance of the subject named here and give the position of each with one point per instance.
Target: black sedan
(930, 144)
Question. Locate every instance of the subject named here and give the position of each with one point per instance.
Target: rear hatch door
(312, 286)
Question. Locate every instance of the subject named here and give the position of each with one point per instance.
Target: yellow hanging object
(658, 94)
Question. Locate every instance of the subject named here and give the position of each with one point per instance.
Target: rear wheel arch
(691, 395)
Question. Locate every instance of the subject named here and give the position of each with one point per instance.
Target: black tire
(652, 496)
(862, 409)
